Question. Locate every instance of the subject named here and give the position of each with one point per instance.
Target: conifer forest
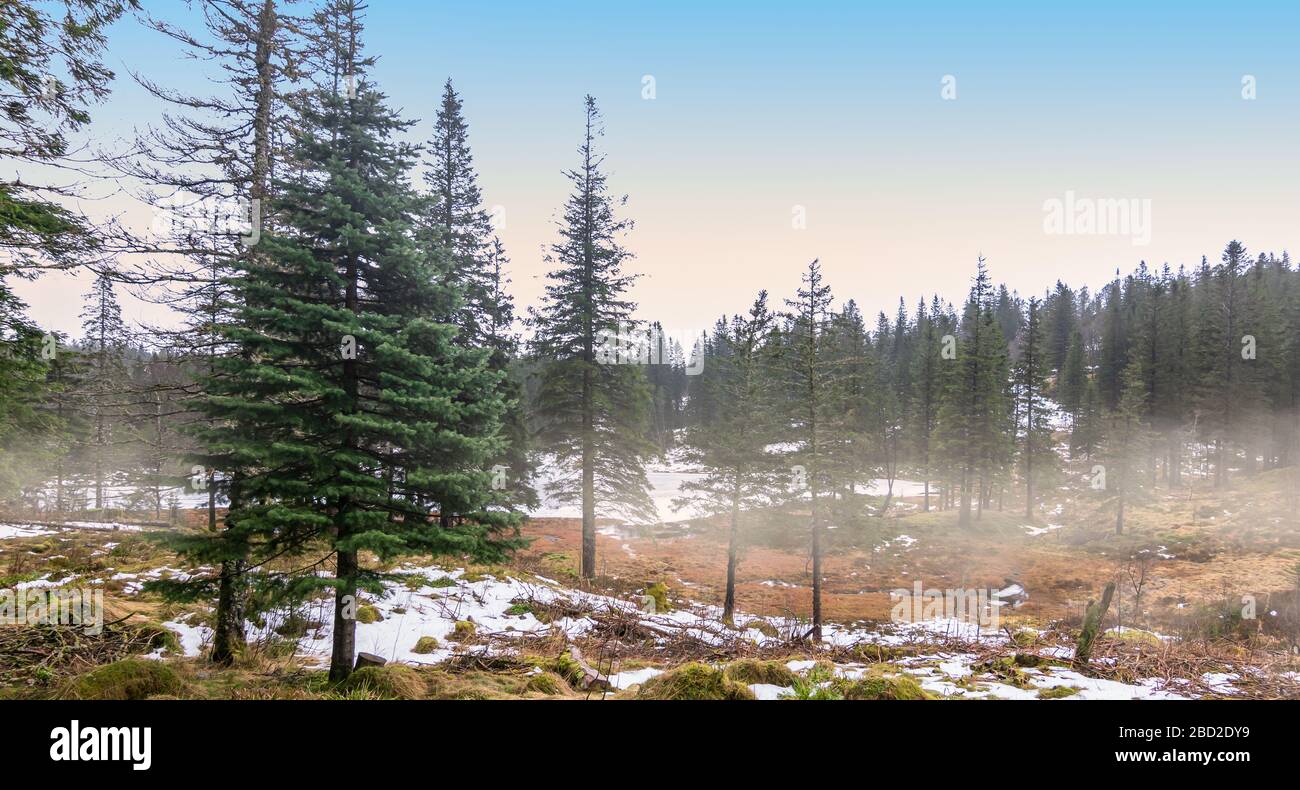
(385, 350)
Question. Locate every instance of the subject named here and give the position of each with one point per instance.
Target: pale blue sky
(836, 107)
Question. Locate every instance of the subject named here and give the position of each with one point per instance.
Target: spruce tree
(105, 341)
(1037, 456)
(815, 411)
(352, 407)
(592, 410)
(1223, 388)
(1061, 322)
(51, 72)
(855, 452)
(1114, 346)
(210, 162)
(888, 409)
(456, 225)
(1072, 378)
(740, 473)
(974, 422)
(928, 389)
(1085, 436)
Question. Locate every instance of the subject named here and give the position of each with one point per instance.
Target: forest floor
(531, 629)
(1204, 546)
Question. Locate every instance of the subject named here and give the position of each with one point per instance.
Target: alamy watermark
(1083, 216)
(54, 606)
(181, 213)
(966, 605)
(632, 345)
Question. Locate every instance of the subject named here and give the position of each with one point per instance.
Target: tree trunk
(1119, 513)
(588, 479)
(963, 513)
(816, 570)
(228, 637)
(345, 622)
(729, 600)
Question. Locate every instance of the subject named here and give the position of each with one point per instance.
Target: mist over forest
(351, 464)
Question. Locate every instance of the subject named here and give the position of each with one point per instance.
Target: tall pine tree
(592, 411)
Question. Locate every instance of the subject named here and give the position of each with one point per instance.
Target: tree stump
(369, 660)
(1092, 619)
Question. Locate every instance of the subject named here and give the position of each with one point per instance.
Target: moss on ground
(425, 645)
(693, 681)
(130, 679)
(1057, 692)
(386, 682)
(563, 665)
(547, 683)
(659, 592)
(877, 685)
(750, 671)
(1136, 636)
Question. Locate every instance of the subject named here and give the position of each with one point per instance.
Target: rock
(369, 660)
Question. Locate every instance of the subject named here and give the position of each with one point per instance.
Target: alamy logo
(1083, 216)
(95, 744)
(62, 606)
(919, 605)
(627, 344)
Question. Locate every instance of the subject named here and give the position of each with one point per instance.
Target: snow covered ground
(666, 481)
(36, 530)
(414, 610)
(23, 531)
(430, 602)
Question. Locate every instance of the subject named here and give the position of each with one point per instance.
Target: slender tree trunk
(963, 513)
(816, 568)
(212, 500)
(1029, 457)
(588, 479)
(925, 471)
(729, 600)
(1119, 513)
(99, 462)
(1220, 463)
